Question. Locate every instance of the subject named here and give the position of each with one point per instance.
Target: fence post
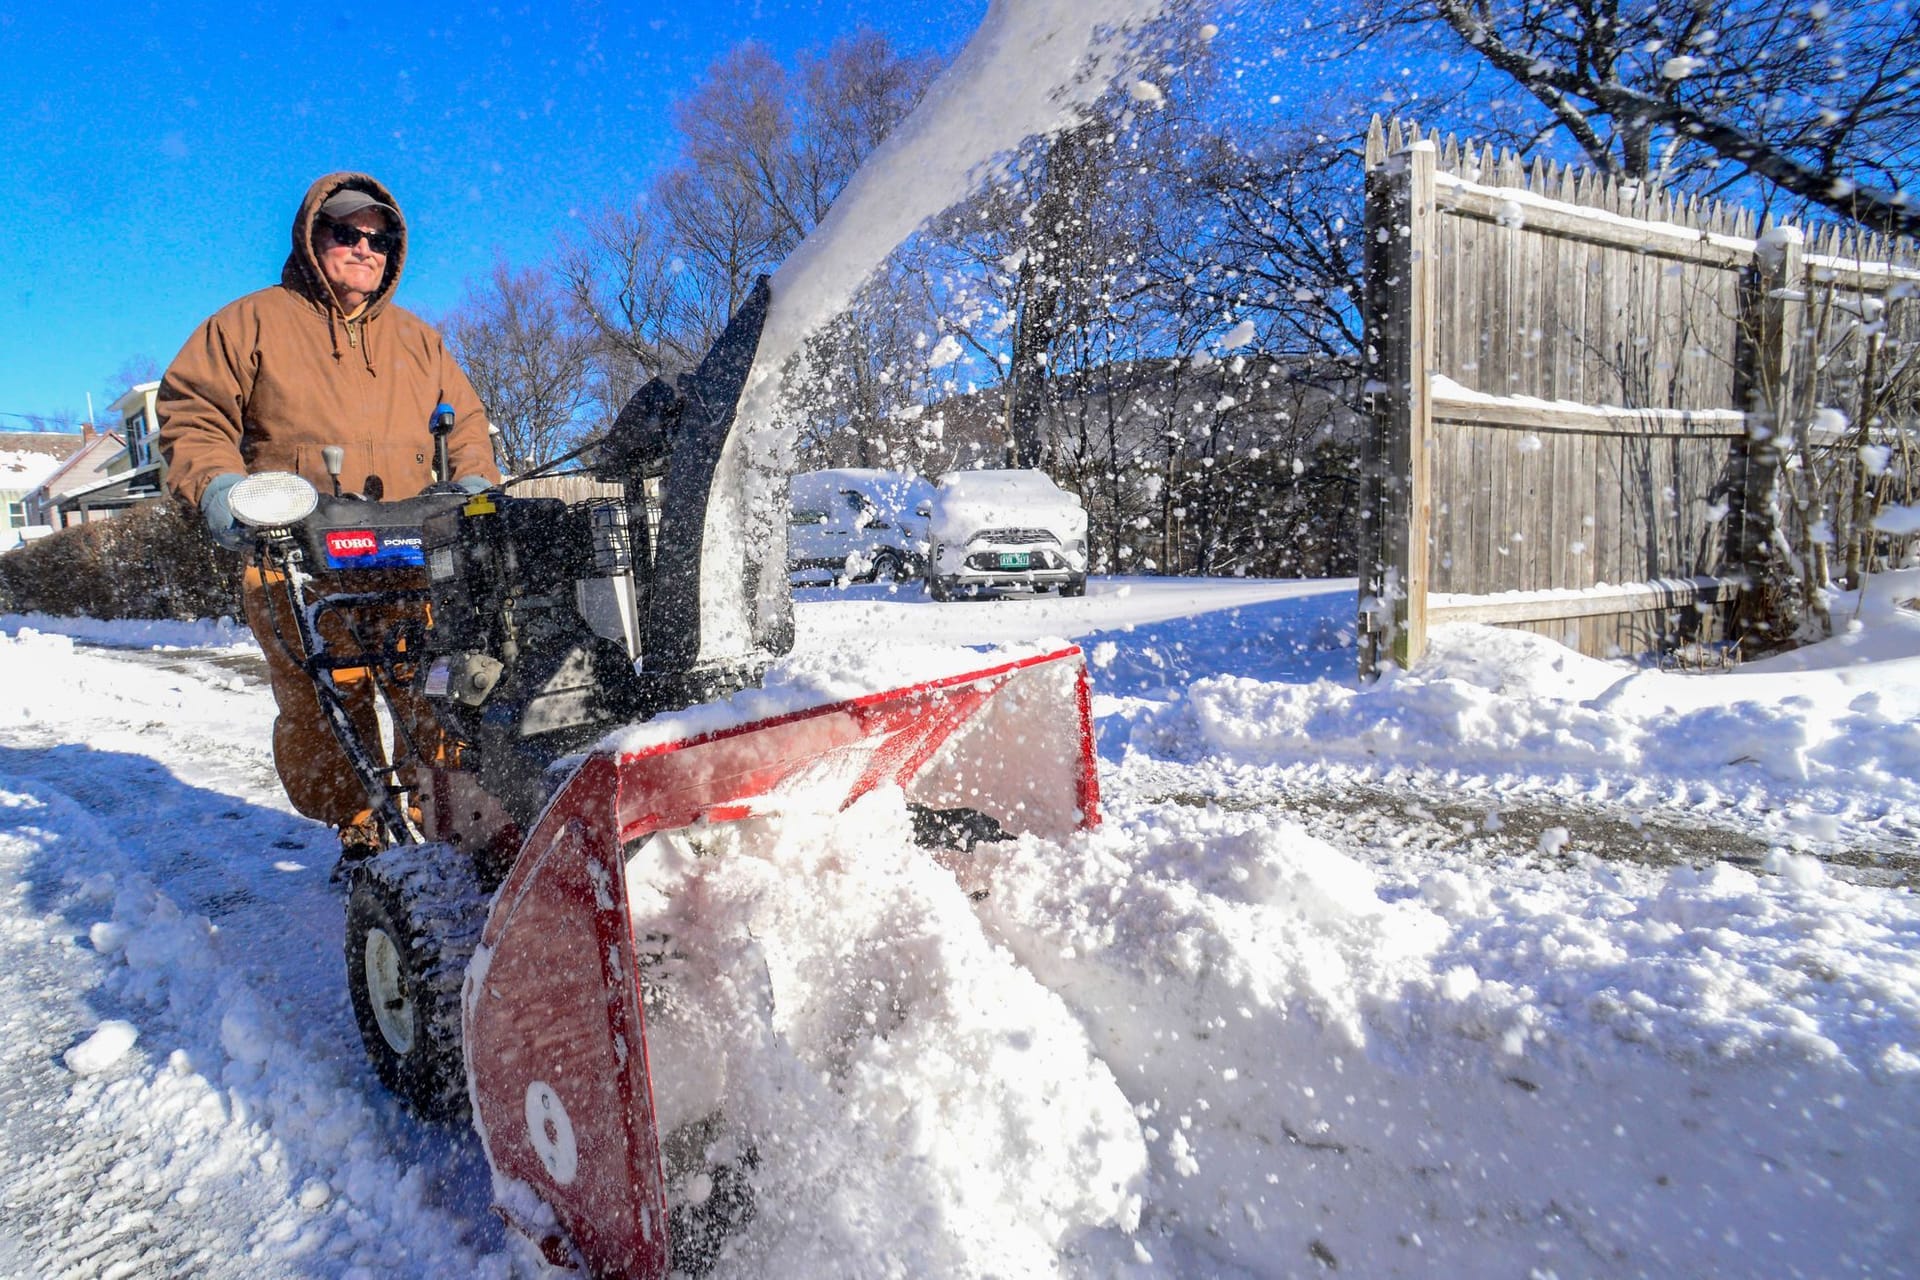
(1772, 309)
(1396, 514)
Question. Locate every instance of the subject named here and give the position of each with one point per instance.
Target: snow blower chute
(570, 660)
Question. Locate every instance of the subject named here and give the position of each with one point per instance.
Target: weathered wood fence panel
(1567, 380)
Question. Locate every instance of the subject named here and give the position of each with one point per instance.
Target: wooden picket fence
(1568, 378)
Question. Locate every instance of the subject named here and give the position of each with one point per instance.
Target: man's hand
(218, 513)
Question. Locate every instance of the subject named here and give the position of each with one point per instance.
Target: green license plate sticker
(1013, 559)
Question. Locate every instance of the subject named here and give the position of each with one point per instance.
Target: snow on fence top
(1647, 210)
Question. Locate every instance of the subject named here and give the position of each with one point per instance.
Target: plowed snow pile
(1200, 1038)
(917, 1100)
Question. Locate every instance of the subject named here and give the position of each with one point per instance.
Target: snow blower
(490, 953)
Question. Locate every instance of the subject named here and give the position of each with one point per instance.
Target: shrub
(151, 562)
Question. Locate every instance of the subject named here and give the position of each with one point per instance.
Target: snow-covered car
(857, 524)
(1006, 531)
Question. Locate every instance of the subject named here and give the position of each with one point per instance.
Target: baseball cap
(351, 200)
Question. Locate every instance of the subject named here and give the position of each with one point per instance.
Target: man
(322, 358)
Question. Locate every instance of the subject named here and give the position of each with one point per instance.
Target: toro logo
(351, 542)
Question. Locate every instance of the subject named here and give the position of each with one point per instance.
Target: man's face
(353, 271)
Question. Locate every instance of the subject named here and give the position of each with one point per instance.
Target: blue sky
(155, 153)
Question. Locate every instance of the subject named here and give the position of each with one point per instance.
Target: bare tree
(529, 361)
(133, 371)
(1848, 403)
(723, 237)
(765, 151)
(1046, 278)
(1282, 243)
(860, 399)
(795, 138)
(69, 420)
(1166, 293)
(620, 283)
(1820, 101)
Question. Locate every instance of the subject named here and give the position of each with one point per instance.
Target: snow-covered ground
(1520, 964)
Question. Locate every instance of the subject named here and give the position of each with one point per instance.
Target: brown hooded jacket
(271, 379)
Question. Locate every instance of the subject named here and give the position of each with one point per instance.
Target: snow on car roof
(987, 484)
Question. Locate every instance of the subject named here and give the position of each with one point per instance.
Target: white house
(141, 462)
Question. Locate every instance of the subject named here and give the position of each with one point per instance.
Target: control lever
(334, 457)
(441, 424)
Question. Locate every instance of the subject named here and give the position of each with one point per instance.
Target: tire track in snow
(1368, 812)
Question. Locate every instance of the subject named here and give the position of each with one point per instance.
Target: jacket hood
(302, 270)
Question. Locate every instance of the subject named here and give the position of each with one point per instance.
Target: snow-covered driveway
(156, 879)
(1244, 1029)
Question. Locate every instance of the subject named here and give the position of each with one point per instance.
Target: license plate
(1013, 559)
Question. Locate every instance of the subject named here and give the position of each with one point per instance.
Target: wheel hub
(387, 992)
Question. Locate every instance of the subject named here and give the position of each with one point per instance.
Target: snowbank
(136, 633)
(1827, 732)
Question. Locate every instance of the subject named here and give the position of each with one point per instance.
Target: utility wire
(48, 419)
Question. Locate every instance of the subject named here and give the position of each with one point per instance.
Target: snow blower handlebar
(551, 622)
(296, 532)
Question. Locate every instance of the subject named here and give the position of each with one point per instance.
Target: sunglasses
(347, 236)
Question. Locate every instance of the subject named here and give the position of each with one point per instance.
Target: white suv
(857, 524)
(1006, 530)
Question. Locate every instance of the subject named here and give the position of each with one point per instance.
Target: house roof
(134, 397)
(60, 444)
(27, 458)
(128, 488)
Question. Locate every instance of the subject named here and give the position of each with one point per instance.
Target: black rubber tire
(698, 1233)
(886, 568)
(414, 916)
(1075, 586)
(959, 829)
(939, 589)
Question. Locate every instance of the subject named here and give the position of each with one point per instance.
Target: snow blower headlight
(272, 500)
